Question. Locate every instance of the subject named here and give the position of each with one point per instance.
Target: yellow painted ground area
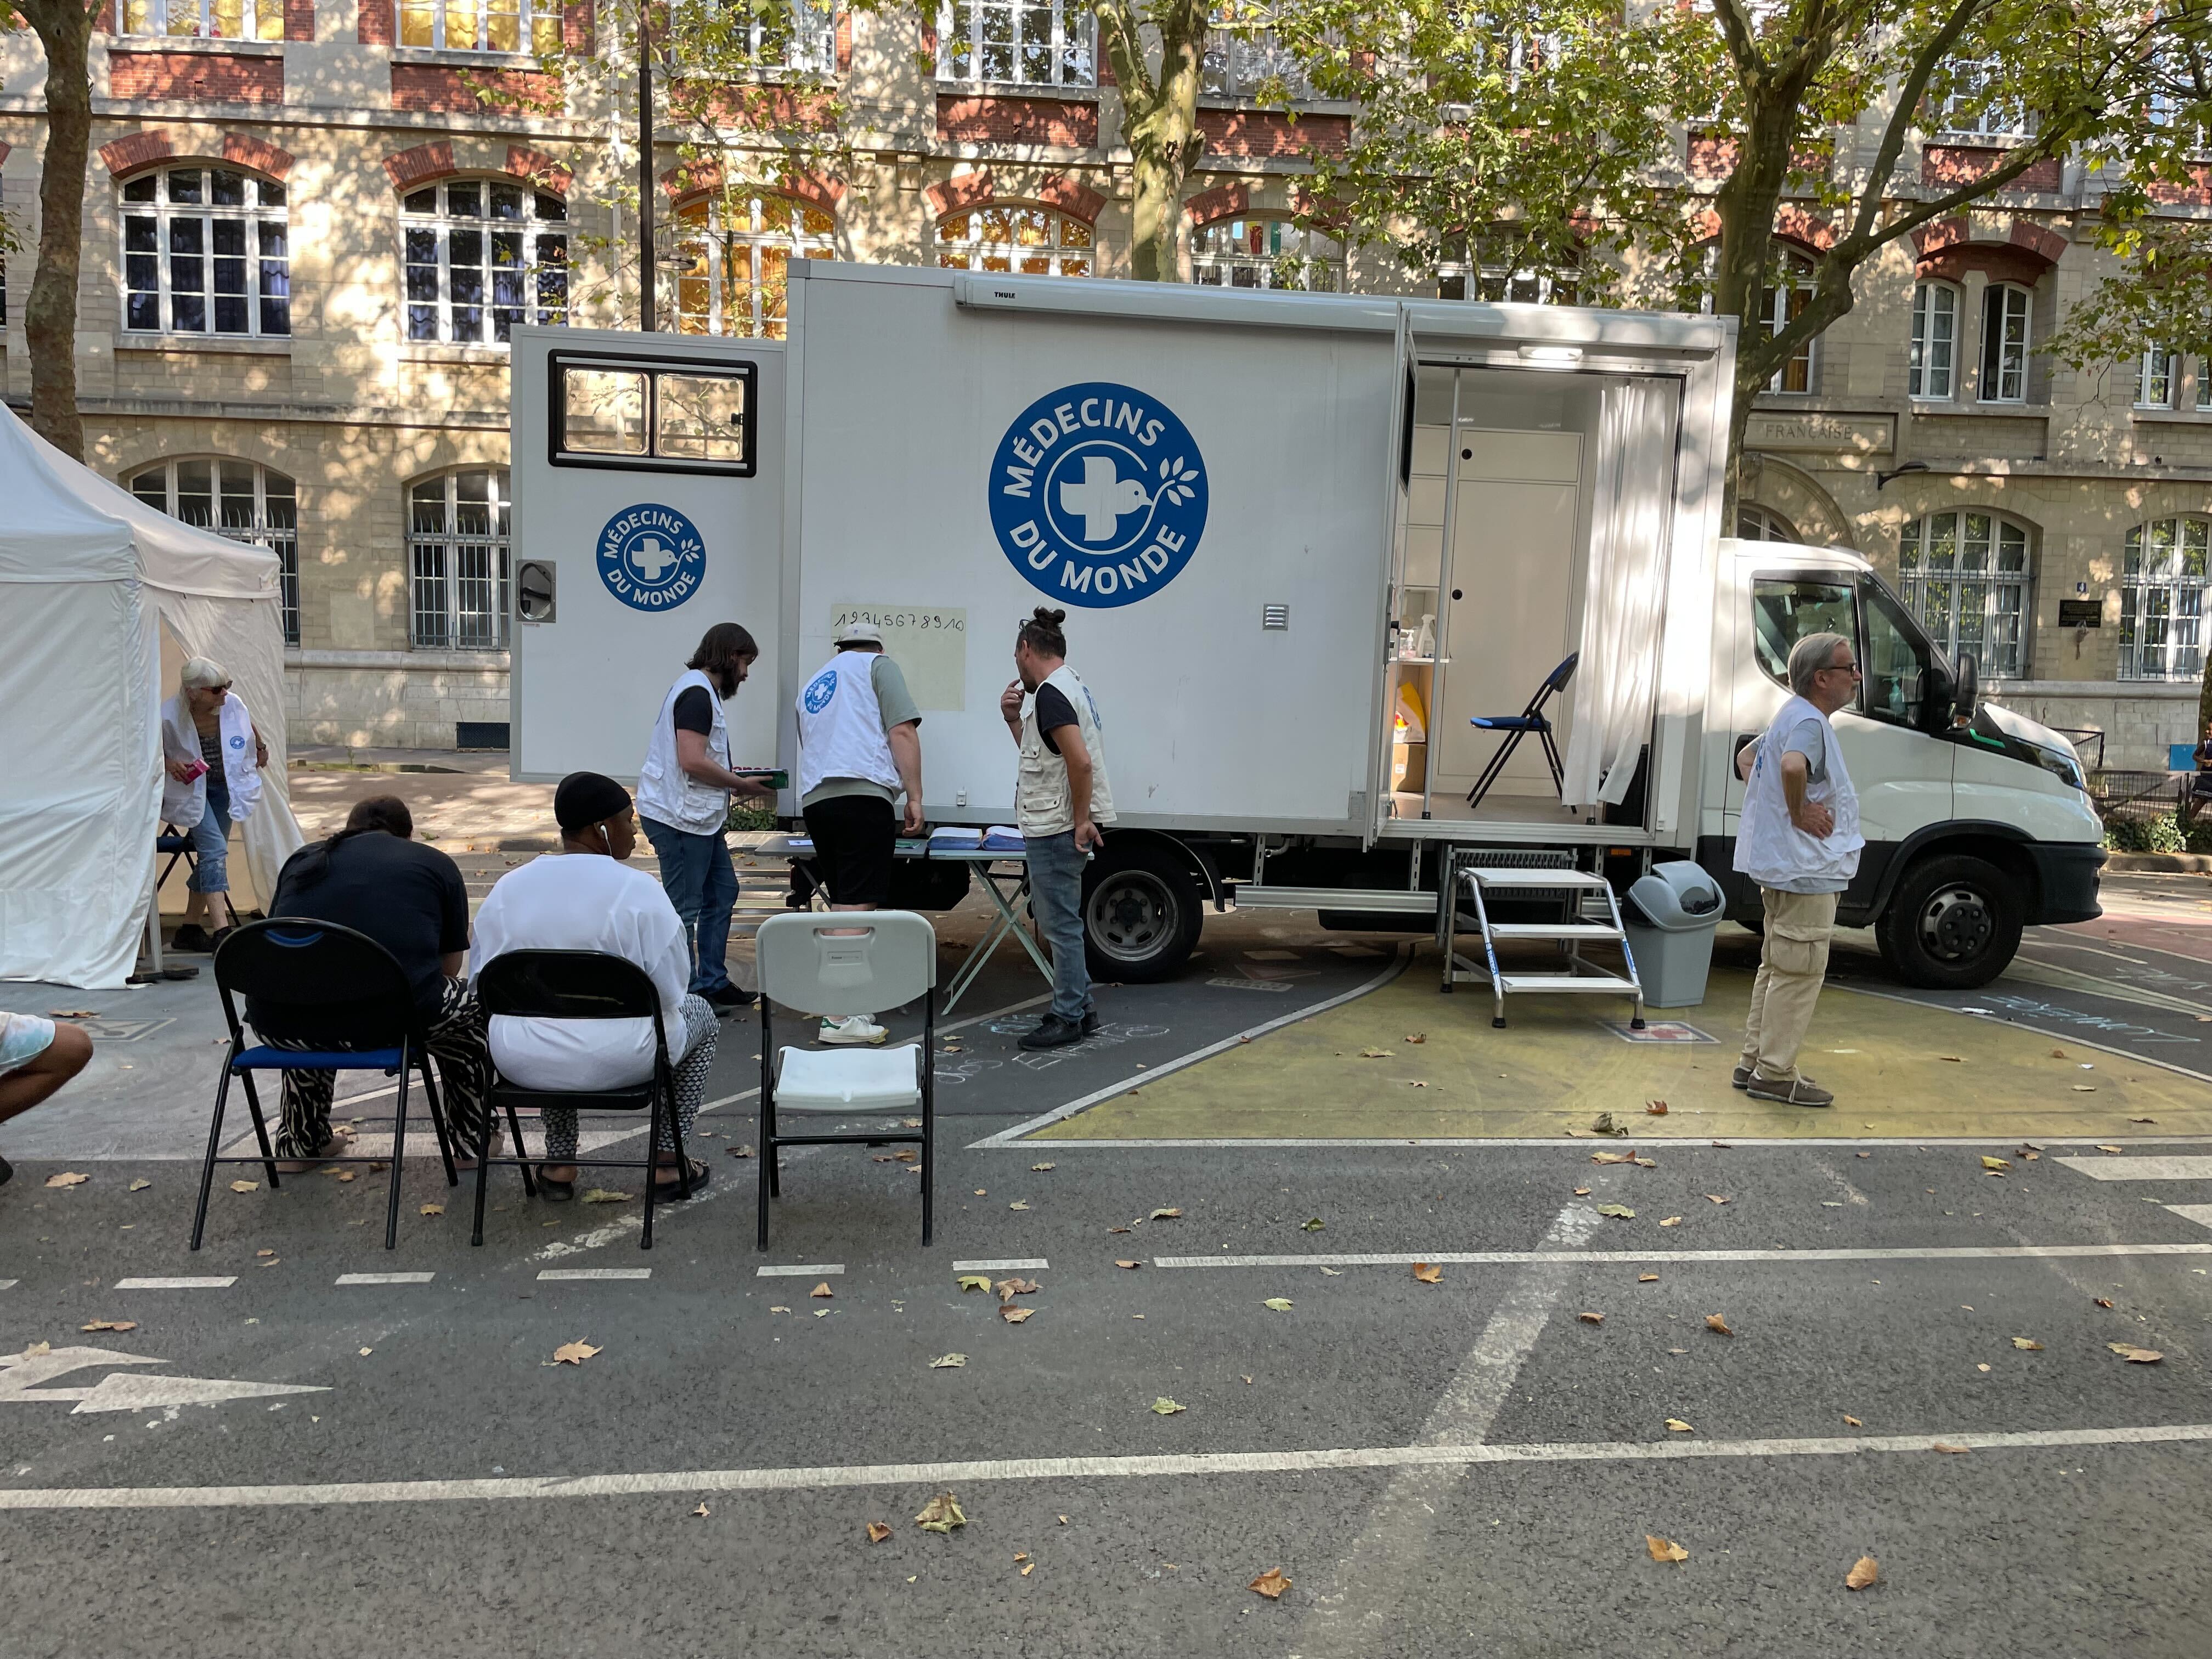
(1898, 1068)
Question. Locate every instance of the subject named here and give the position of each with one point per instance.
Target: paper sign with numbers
(928, 642)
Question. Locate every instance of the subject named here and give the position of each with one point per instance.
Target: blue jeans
(702, 885)
(1056, 897)
(210, 839)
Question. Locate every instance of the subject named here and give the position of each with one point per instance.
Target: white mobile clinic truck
(1302, 540)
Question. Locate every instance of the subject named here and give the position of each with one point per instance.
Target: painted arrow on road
(21, 1373)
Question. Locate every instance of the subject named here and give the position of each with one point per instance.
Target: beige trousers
(1791, 967)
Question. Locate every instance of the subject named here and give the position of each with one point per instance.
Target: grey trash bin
(1670, 917)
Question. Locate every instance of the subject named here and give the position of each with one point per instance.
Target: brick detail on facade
(138, 150)
(1222, 201)
(1958, 164)
(2197, 193)
(844, 41)
(1270, 133)
(1326, 211)
(435, 87)
(1794, 224)
(1065, 121)
(1071, 197)
(756, 108)
(1948, 248)
(696, 178)
(199, 77)
(258, 154)
(1709, 157)
(579, 26)
(410, 167)
(539, 168)
(963, 189)
(299, 20)
(377, 24)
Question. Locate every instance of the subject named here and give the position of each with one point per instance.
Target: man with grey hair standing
(1799, 840)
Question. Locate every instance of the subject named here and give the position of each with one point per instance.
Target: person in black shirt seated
(374, 877)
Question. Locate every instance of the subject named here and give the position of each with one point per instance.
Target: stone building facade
(305, 231)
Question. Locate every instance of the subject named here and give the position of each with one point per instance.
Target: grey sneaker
(1741, 1078)
(1799, 1091)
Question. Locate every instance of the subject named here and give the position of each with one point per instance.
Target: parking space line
(2141, 1169)
(1647, 1142)
(595, 1272)
(832, 1477)
(7, 1284)
(385, 1279)
(1012, 1264)
(1510, 1258)
(209, 1283)
(800, 1270)
(2199, 1214)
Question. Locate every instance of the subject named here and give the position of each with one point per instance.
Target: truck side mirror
(1965, 697)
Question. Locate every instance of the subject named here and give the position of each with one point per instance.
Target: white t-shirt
(580, 901)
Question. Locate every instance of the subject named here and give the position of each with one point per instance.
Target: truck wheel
(1953, 923)
(1141, 912)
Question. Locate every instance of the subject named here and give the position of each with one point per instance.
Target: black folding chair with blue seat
(178, 845)
(321, 983)
(1517, 726)
(579, 985)
(839, 963)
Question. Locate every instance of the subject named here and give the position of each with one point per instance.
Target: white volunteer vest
(184, 805)
(1771, 849)
(1043, 805)
(840, 726)
(668, 794)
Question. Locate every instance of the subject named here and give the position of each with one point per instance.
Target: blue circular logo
(651, 557)
(1098, 495)
(823, 687)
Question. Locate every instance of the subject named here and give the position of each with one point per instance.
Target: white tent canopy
(90, 580)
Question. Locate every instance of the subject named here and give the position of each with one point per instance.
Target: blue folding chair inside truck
(1517, 726)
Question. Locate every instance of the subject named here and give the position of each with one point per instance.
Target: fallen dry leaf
(1271, 1584)
(2027, 1345)
(434, 1209)
(974, 1281)
(1279, 1303)
(1665, 1549)
(111, 1325)
(574, 1354)
(948, 1362)
(1715, 1198)
(1591, 1318)
(912, 1122)
(1314, 1226)
(1676, 1426)
(747, 1151)
(2141, 1120)
(1039, 1168)
(1167, 1407)
(1015, 1315)
(1427, 1274)
(1671, 1221)
(351, 1174)
(1945, 1446)
(1656, 1108)
(1008, 1289)
(139, 1185)
(1417, 1036)
(1643, 1162)
(1713, 1322)
(2087, 1088)
(1619, 1212)
(1028, 1567)
(1374, 1054)
(67, 1178)
(702, 1509)
(365, 1352)
(1956, 1060)
(265, 1253)
(235, 1185)
(906, 1155)
(1612, 1157)
(1604, 1124)
(1582, 1191)
(1647, 1278)
(1988, 1163)
(878, 1532)
(1853, 1421)
(2135, 1356)
(1165, 1215)
(2104, 1301)
(821, 1289)
(941, 1513)
(1864, 1572)
(1128, 1264)
(2103, 1148)
(607, 1195)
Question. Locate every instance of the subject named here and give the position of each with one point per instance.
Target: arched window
(1264, 253)
(458, 560)
(483, 255)
(1010, 236)
(205, 250)
(2004, 343)
(1932, 369)
(1966, 576)
(735, 255)
(237, 499)
(1763, 524)
(2162, 578)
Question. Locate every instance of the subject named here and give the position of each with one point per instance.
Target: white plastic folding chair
(816, 962)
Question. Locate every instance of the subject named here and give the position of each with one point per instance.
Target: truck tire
(1951, 924)
(1142, 910)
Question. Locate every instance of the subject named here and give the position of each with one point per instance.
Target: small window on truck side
(1895, 680)
(651, 414)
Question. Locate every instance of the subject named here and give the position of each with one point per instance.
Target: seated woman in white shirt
(586, 900)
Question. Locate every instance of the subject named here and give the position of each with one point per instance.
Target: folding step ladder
(1582, 895)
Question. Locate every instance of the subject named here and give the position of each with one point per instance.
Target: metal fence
(2122, 797)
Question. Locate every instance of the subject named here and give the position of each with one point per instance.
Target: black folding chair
(579, 985)
(342, 989)
(178, 845)
(1517, 726)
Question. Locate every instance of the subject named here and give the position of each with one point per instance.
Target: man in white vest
(1799, 840)
(859, 748)
(683, 793)
(1061, 799)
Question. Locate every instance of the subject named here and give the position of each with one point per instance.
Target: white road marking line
(7, 1284)
(1012, 1264)
(1661, 1143)
(595, 1272)
(2141, 1169)
(1510, 1258)
(1400, 961)
(835, 1477)
(209, 1283)
(802, 1270)
(385, 1279)
(2199, 1214)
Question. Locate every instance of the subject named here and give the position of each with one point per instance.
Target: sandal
(554, 1192)
(674, 1189)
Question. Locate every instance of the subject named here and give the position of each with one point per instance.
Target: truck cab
(1976, 820)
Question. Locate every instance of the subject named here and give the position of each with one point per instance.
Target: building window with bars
(2162, 600)
(210, 20)
(482, 256)
(733, 260)
(1932, 369)
(2158, 377)
(2004, 344)
(1017, 239)
(238, 500)
(1264, 253)
(1038, 43)
(205, 250)
(510, 26)
(1966, 574)
(458, 560)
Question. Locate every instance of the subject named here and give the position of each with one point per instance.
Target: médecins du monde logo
(651, 557)
(1098, 495)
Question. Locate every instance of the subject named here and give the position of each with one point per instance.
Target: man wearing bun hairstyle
(1061, 799)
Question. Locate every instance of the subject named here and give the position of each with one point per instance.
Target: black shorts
(854, 837)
